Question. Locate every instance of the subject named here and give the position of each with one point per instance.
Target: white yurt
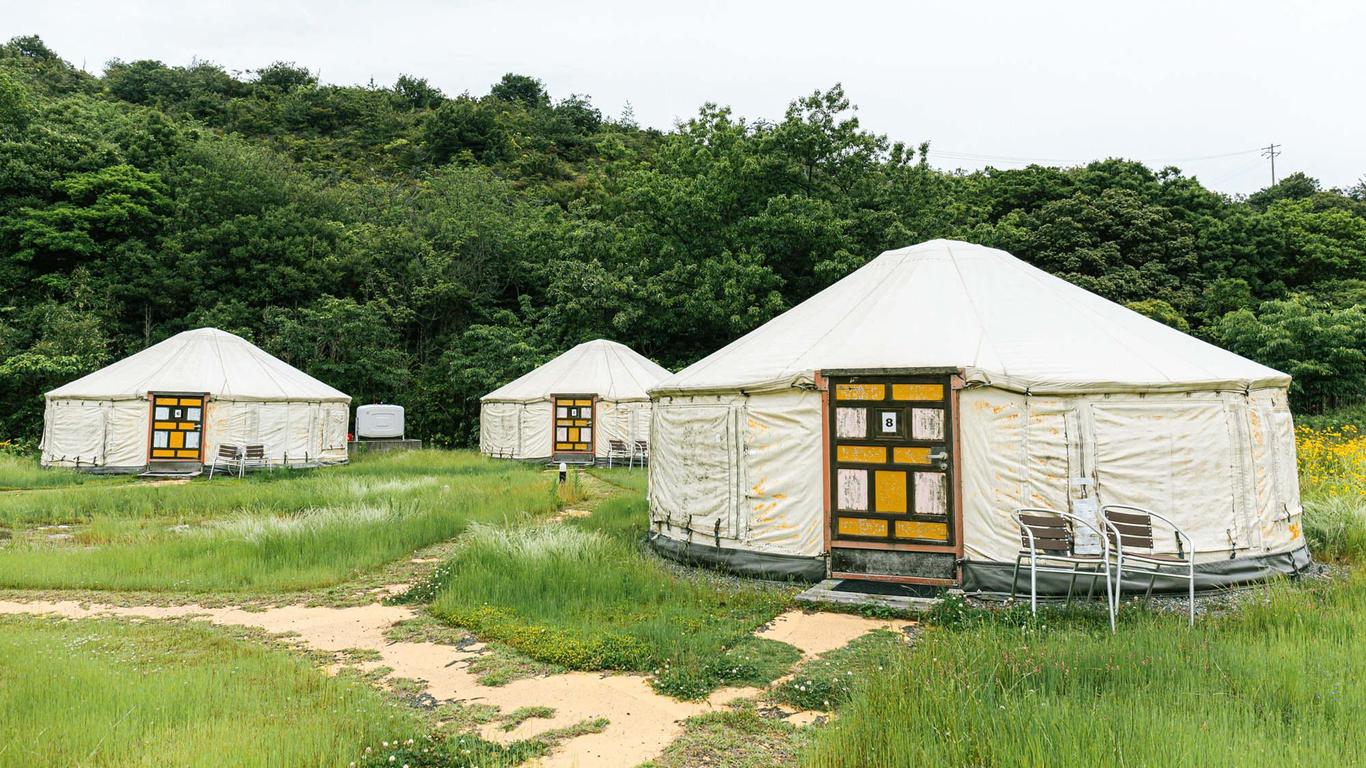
(571, 408)
(888, 427)
(171, 405)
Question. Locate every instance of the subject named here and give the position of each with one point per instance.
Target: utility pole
(1271, 151)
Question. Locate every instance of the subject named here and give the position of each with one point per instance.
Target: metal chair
(640, 449)
(1048, 535)
(228, 455)
(1130, 532)
(255, 456)
(616, 449)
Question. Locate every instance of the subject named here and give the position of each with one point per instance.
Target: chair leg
(1192, 591)
(1119, 583)
(1015, 578)
(1033, 584)
(1151, 581)
(1109, 603)
(1071, 584)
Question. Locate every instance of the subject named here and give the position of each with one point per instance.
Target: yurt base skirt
(988, 578)
(759, 565)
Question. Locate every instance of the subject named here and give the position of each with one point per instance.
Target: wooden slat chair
(229, 456)
(640, 449)
(1048, 536)
(254, 456)
(1130, 534)
(616, 449)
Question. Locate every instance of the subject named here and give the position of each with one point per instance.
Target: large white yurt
(171, 405)
(571, 408)
(889, 426)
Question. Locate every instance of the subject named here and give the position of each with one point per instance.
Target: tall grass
(20, 471)
(1276, 683)
(273, 533)
(584, 596)
(1332, 466)
(101, 692)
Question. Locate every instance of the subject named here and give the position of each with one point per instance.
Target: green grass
(583, 595)
(278, 531)
(829, 681)
(733, 738)
(1276, 682)
(1335, 527)
(24, 472)
(102, 692)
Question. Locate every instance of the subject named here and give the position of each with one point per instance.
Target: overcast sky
(983, 81)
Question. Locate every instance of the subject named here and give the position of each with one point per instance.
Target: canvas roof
(208, 360)
(610, 370)
(951, 304)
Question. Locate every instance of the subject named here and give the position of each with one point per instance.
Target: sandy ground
(641, 722)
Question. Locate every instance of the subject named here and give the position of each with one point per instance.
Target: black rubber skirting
(992, 578)
(740, 561)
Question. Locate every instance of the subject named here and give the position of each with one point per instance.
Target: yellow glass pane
(166, 401)
(583, 402)
(163, 425)
(890, 491)
(562, 446)
(177, 439)
(581, 423)
(858, 526)
(573, 434)
(161, 453)
(917, 391)
(190, 454)
(911, 455)
(860, 391)
(581, 447)
(187, 425)
(190, 401)
(913, 529)
(861, 454)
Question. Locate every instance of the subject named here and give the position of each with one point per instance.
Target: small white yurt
(888, 427)
(171, 405)
(573, 407)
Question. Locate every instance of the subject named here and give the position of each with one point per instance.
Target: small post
(564, 472)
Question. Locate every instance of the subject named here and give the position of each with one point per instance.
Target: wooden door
(892, 475)
(573, 425)
(177, 427)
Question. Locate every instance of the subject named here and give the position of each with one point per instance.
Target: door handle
(941, 459)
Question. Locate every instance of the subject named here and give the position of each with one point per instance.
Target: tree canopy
(416, 247)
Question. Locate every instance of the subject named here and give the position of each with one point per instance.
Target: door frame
(203, 425)
(592, 451)
(957, 383)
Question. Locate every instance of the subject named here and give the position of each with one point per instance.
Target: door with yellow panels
(574, 424)
(890, 460)
(177, 427)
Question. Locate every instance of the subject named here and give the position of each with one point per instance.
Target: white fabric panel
(202, 360)
(1177, 459)
(1271, 443)
(536, 425)
(964, 306)
(783, 509)
(337, 418)
(992, 444)
(499, 428)
(694, 464)
(125, 433)
(74, 433)
(607, 369)
(627, 422)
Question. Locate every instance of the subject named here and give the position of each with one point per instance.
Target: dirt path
(641, 722)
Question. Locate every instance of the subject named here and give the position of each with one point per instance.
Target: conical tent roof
(951, 304)
(613, 371)
(208, 360)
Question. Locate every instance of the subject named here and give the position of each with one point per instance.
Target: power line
(1272, 151)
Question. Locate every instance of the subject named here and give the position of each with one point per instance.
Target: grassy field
(21, 472)
(582, 595)
(275, 531)
(102, 692)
